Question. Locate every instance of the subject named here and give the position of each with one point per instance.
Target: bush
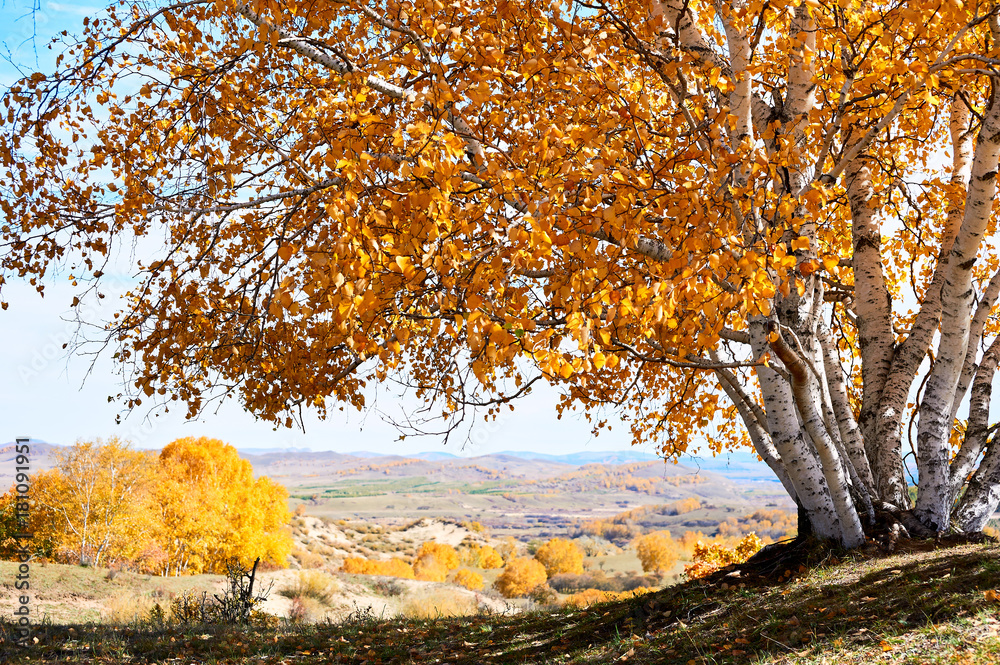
(125, 608)
(389, 568)
(429, 569)
(710, 558)
(389, 588)
(657, 552)
(596, 546)
(520, 577)
(480, 556)
(312, 584)
(468, 579)
(592, 596)
(544, 595)
(445, 554)
(570, 583)
(560, 556)
(306, 610)
(508, 548)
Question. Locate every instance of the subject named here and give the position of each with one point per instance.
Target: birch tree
(767, 221)
(92, 504)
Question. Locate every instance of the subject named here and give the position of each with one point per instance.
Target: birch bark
(935, 424)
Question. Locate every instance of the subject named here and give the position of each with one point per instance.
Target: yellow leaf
(800, 243)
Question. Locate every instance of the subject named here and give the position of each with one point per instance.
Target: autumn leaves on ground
(129, 547)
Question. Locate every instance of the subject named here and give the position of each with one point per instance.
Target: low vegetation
(924, 605)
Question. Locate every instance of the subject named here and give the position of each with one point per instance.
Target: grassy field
(928, 606)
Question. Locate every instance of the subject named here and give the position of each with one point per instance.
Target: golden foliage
(445, 554)
(192, 509)
(247, 519)
(469, 579)
(390, 567)
(560, 556)
(430, 569)
(480, 556)
(508, 548)
(520, 577)
(93, 506)
(657, 552)
(709, 558)
(769, 525)
(349, 193)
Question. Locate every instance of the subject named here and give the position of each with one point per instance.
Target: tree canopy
(769, 221)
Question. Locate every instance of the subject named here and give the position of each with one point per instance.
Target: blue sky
(53, 396)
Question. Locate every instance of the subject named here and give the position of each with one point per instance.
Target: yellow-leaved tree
(445, 554)
(469, 579)
(560, 556)
(93, 506)
(753, 220)
(210, 509)
(657, 552)
(520, 577)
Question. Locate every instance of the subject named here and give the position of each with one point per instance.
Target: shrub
(475, 527)
(543, 594)
(520, 577)
(468, 579)
(570, 583)
(480, 556)
(657, 552)
(125, 608)
(595, 546)
(389, 588)
(390, 567)
(680, 507)
(430, 569)
(445, 554)
(508, 548)
(306, 610)
(560, 556)
(312, 584)
(709, 558)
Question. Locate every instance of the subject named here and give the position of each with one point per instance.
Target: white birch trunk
(935, 424)
(797, 455)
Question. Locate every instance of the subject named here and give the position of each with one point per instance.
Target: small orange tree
(210, 509)
(469, 579)
(390, 567)
(560, 556)
(489, 558)
(520, 577)
(480, 556)
(430, 569)
(445, 554)
(657, 552)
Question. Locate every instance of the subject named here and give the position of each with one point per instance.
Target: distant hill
(588, 457)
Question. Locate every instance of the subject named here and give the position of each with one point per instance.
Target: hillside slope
(930, 606)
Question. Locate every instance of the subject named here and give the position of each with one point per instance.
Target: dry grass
(125, 608)
(314, 585)
(437, 602)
